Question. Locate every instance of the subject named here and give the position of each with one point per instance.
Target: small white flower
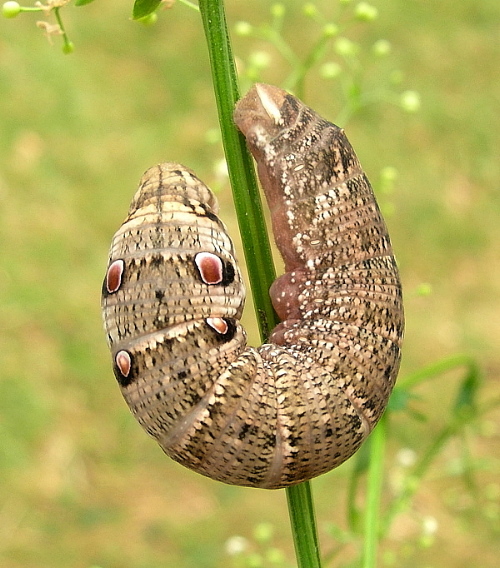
(236, 545)
(429, 526)
(220, 168)
(406, 457)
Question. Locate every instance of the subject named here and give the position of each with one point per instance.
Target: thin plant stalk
(303, 522)
(374, 492)
(255, 240)
(240, 165)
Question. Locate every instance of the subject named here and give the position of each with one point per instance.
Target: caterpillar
(302, 403)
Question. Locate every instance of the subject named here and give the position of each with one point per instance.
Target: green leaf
(82, 2)
(467, 393)
(143, 8)
(400, 399)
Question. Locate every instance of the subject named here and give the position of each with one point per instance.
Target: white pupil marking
(114, 276)
(210, 267)
(123, 362)
(218, 324)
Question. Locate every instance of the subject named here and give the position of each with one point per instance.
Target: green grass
(80, 484)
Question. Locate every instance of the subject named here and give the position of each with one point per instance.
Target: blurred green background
(80, 484)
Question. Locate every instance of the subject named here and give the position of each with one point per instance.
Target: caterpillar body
(303, 403)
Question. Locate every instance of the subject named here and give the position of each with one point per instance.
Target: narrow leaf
(143, 8)
(467, 393)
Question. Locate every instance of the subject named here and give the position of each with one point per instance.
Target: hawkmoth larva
(303, 403)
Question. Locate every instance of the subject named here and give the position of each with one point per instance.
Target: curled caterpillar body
(303, 403)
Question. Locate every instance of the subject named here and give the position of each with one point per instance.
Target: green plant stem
(442, 366)
(254, 236)
(61, 25)
(303, 521)
(190, 4)
(246, 194)
(296, 80)
(412, 482)
(374, 491)
(465, 411)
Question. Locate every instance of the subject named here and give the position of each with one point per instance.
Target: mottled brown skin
(323, 210)
(301, 405)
